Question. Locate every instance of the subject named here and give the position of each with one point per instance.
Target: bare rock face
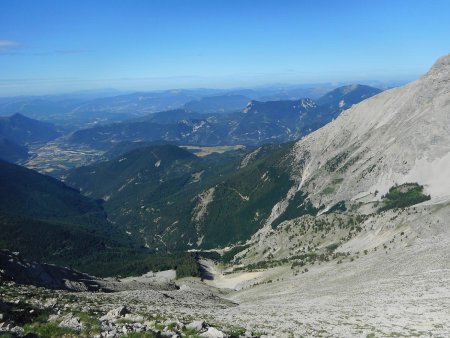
(398, 136)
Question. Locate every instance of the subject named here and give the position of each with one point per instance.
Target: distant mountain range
(11, 151)
(256, 124)
(75, 110)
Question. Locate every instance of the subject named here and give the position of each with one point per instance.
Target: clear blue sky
(65, 45)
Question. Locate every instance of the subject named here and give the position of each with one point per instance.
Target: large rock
(71, 322)
(15, 268)
(115, 313)
(212, 333)
(196, 325)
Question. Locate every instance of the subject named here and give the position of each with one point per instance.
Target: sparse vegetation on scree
(402, 196)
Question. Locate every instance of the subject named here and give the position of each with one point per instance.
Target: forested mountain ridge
(258, 123)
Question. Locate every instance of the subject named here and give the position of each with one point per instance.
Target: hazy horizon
(111, 91)
(52, 47)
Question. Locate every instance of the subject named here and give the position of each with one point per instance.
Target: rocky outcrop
(15, 268)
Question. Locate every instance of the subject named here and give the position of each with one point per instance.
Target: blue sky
(60, 46)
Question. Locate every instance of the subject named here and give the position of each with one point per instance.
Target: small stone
(112, 333)
(17, 329)
(184, 287)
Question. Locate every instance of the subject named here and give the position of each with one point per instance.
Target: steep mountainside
(152, 164)
(401, 135)
(11, 151)
(46, 220)
(27, 193)
(172, 200)
(150, 192)
(258, 123)
(23, 130)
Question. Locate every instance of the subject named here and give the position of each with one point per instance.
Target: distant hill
(217, 104)
(173, 116)
(23, 130)
(127, 146)
(258, 123)
(344, 97)
(276, 121)
(150, 165)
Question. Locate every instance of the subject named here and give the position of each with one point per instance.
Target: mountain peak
(19, 116)
(441, 68)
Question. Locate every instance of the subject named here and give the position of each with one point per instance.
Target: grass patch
(91, 326)
(47, 330)
(236, 332)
